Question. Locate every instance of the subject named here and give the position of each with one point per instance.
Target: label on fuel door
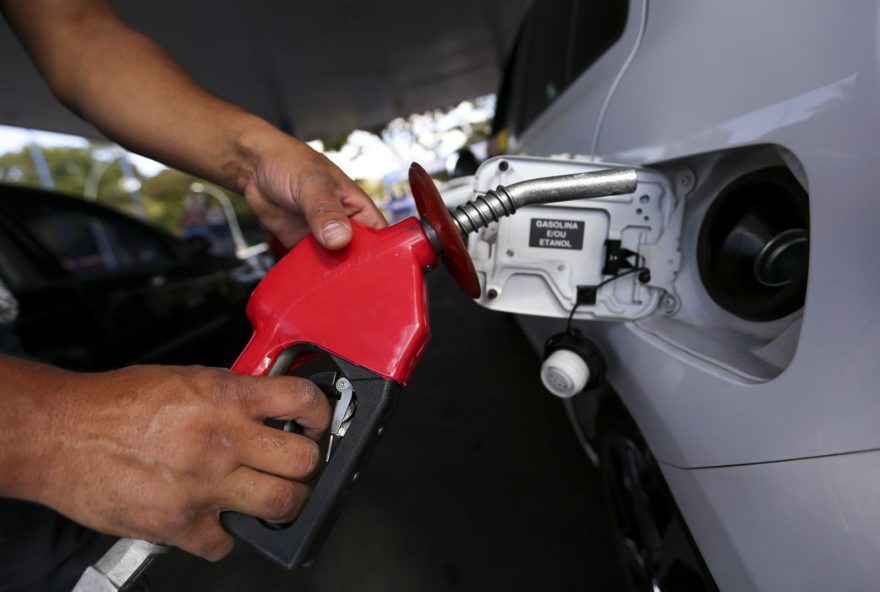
(556, 234)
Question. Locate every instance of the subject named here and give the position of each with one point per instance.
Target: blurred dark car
(99, 289)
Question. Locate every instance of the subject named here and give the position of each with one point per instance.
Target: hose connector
(504, 201)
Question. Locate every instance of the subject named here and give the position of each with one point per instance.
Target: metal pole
(90, 187)
(93, 181)
(134, 184)
(43, 172)
(228, 212)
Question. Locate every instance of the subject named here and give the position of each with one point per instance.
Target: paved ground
(478, 484)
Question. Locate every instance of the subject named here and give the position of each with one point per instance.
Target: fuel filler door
(610, 258)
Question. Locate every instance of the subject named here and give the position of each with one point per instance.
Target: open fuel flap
(606, 258)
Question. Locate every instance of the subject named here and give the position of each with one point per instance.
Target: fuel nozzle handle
(505, 200)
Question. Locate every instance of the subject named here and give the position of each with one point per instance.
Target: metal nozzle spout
(504, 201)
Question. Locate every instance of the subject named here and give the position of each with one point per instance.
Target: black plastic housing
(296, 545)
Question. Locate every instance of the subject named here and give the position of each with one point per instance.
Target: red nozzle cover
(431, 208)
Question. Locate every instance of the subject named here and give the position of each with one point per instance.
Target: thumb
(328, 221)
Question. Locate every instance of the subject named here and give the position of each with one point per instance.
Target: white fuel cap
(565, 373)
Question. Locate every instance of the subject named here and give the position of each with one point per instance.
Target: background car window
(17, 271)
(133, 245)
(88, 244)
(558, 41)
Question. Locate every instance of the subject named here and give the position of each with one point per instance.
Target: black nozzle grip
(296, 544)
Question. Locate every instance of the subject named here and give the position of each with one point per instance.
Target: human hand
(295, 190)
(156, 452)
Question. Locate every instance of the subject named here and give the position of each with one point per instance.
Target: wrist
(254, 143)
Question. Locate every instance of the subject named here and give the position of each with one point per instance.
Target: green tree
(163, 195)
(70, 168)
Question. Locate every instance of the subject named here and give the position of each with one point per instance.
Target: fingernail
(334, 233)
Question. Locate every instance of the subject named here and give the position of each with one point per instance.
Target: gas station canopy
(316, 69)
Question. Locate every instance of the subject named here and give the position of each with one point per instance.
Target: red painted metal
(432, 209)
(366, 303)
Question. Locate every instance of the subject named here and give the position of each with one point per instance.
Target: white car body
(766, 432)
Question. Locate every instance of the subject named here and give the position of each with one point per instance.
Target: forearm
(29, 397)
(136, 94)
(133, 91)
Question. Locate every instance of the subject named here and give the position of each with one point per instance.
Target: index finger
(289, 398)
(365, 211)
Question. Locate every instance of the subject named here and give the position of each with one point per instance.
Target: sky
(13, 139)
